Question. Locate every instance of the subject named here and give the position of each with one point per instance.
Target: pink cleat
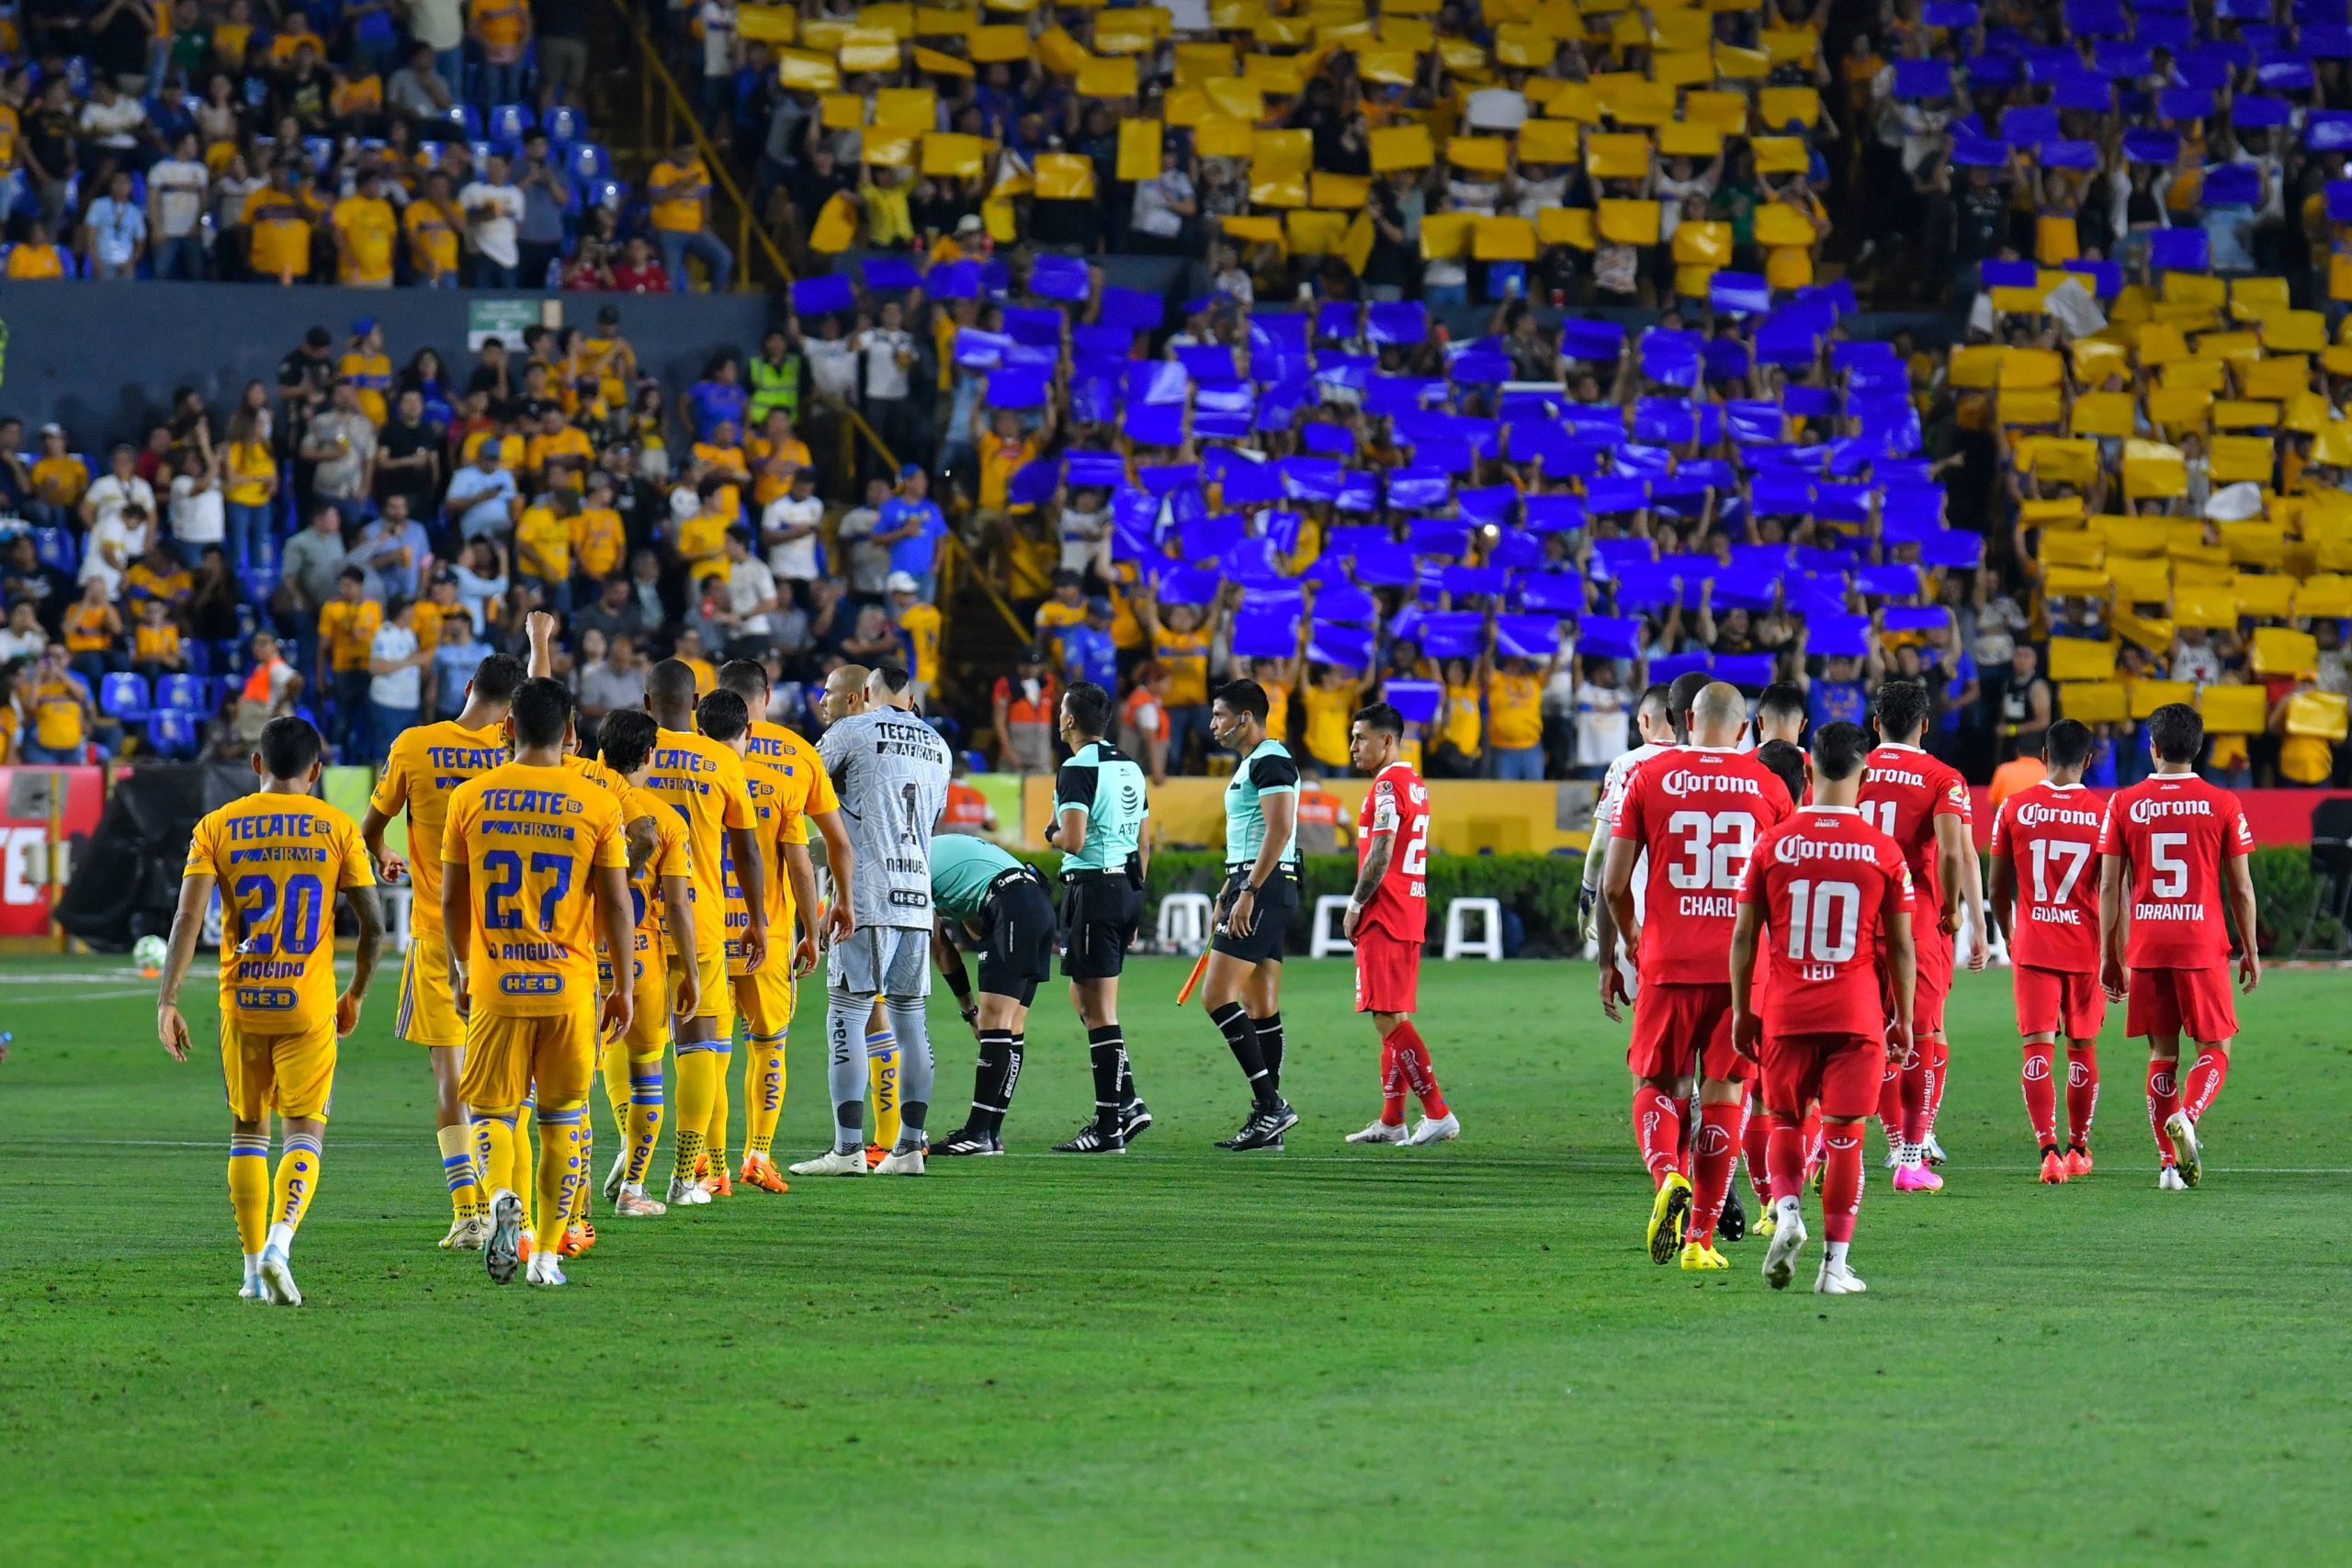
(1916, 1178)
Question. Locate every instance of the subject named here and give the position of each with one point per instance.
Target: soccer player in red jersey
(2046, 900)
(2180, 845)
(1827, 898)
(1788, 764)
(1387, 918)
(1696, 812)
(1922, 805)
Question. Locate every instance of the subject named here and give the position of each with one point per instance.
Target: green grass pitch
(1182, 1356)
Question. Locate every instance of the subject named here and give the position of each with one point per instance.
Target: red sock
(1813, 1152)
(1915, 1092)
(1939, 1068)
(1714, 1151)
(1657, 1131)
(1413, 1061)
(2205, 1080)
(1841, 1185)
(2082, 1092)
(1756, 1145)
(1890, 1094)
(1688, 1111)
(1787, 1158)
(1392, 1085)
(2040, 1094)
(2164, 1099)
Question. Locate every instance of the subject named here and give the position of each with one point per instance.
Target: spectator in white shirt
(116, 489)
(887, 351)
(493, 209)
(751, 599)
(790, 529)
(175, 191)
(114, 231)
(119, 538)
(199, 515)
(1162, 205)
(396, 691)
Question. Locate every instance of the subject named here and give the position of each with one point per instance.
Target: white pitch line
(82, 997)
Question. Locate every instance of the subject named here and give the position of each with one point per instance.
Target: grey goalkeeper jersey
(890, 770)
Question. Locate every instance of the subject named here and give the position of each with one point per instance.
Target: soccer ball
(149, 952)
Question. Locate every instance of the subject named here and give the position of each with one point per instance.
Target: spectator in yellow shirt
(60, 478)
(502, 30)
(277, 219)
(366, 229)
(1514, 689)
(598, 540)
(919, 623)
(702, 537)
(62, 713)
(347, 625)
(887, 201)
(725, 460)
(679, 190)
(249, 484)
(558, 455)
(36, 258)
(774, 454)
(543, 548)
(155, 641)
(433, 224)
(365, 364)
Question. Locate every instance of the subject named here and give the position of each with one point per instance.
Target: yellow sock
(615, 1070)
(563, 1169)
(457, 1165)
(495, 1144)
(698, 1076)
(249, 1189)
(714, 1135)
(644, 1114)
(882, 1071)
(762, 1092)
(298, 1179)
(575, 1203)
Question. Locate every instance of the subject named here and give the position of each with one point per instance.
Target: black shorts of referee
(1101, 912)
(1017, 936)
(1271, 914)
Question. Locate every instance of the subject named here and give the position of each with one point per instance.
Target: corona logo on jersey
(1793, 850)
(2030, 814)
(2149, 810)
(1681, 781)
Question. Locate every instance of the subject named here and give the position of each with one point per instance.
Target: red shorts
(1682, 1030)
(2061, 1002)
(2195, 1002)
(1843, 1071)
(1388, 971)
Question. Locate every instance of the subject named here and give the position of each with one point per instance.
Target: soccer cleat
(1443, 1130)
(545, 1270)
(1091, 1139)
(1933, 1150)
(1765, 1225)
(968, 1140)
(1894, 1155)
(278, 1279)
(1381, 1133)
(2053, 1168)
(1134, 1119)
(2078, 1162)
(834, 1163)
(616, 1177)
(252, 1291)
(1814, 1174)
(1787, 1221)
(901, 1162)
(501, 1253)
(1732, 1223)
(455, 1240)
(1837, 1279)
(1699, 1257)
(2191, 1157)
(1916, 1178)
(875, 1155)
(759, 1171)
(1263, 1131)
(685, 1190)
(577, 1239)
(2168, 1179)
(1670, 1212)
(637, 1205)
(717, 1184)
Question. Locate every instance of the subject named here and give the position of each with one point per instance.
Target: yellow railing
(954, 555)
(675, 110)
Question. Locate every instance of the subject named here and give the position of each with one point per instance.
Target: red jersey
(1829, 886)
(2175, 829)
(2051, 832)
(1904, 791)
(1698, 813)
(1398, 803)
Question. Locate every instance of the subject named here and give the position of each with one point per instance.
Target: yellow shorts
(506, 1055)
(290, 1074)
(427, 1013)
(718, 1000)
(766, 996)
(649, 1008)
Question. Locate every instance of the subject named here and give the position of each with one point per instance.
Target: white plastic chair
(396, 901)
(1488, 943)
(1331, 920)
(1184, 921)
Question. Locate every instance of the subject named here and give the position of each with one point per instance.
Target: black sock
(1106, 1049)
(991, 1086)
(1242, 1040)
(1126, 1074)
(1270, 1042)
(1011, 1080)
(912, 1113)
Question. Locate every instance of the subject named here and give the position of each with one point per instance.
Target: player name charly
(2035, 816)
(2149, 810)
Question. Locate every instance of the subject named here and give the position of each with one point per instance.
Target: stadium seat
(77, 75)
(564, 126)
(482, 149)
(466, 120)
(184, 692)
(56, 547)
(1331, 920)
(318, 151)
(589, 161)
(1184, 921)
(125, 696)
(508, 122)
(171, 733)
(199, 657)
(608, 193)
(1488, 942)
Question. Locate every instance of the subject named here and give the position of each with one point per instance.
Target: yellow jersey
(670, 858)
(250, 468)
(279, 222)
(787, 786)
(1185, 657)
(702, 545)
(1460, 725)
(347, 631)
(598, 540)
(57, 712)
(369, 230)
(920, 625)
(1514, 711)
(570, 442)
(543, 545)
(62, 480)
(30, 263)
(1328, 708)
(703, 781)
(279, 861)
(152, 644)
(773, 466)
(426, 765)
(370, 375)
(1053, 617)
(532, 840)
(432, 238)
(679, 212)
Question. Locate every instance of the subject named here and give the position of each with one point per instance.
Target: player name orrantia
(2178, 913)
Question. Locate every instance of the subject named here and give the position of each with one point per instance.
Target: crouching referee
(1004, 907)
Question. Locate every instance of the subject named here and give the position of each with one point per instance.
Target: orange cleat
(577, 1239)
(2078, 1162)
(717, 1184)
(761, 1172)
(2053, 1169)
(875, 1155)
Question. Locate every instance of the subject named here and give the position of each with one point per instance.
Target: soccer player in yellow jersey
(278, 858)
(426, 765)
(702, 780)
(534, 871)
(789, 790)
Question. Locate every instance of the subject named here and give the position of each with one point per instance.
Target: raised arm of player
(2240, 894)
(616, 912)
(369, 911)
(1624, 930)
(1282, 818)
(539, 626)
(187, 924)
(678, 910)
(1746, 1027)
(2112, 977)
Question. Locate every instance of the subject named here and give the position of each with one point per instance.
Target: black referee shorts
(1018, 954)
(1271, 915)
(1099, 915)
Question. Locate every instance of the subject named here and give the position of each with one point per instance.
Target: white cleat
(1835, 1280)
(1894, 1154)
(502, 1251)
(278, 1279)
(1381, 1133)
(832, 1162)
(1443, 1130)
(471, 1236)
(687, 1191)
(1788, 1240)
(545, 1269)
(2168, 1180)
(898, 1162)
(252, 1291)
(1935, 1151)
(2189, 1157)
(617, 1178)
